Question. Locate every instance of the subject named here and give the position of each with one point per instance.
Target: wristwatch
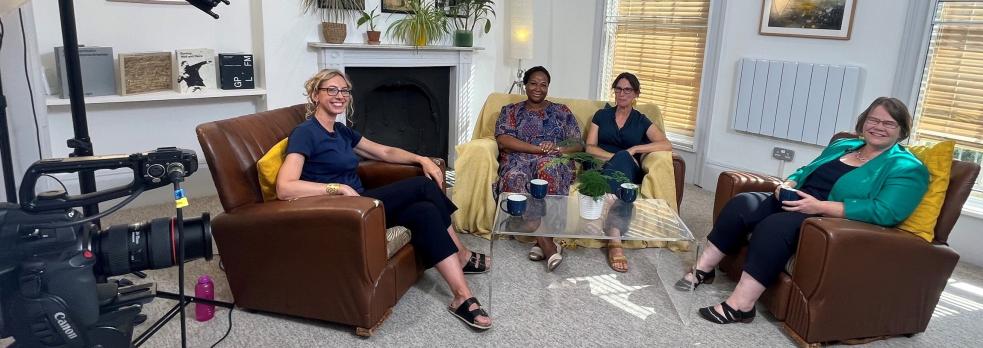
(331, 189)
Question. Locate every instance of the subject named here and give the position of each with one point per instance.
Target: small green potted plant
(592, 183)
(425, 24)
(467, 14)
(333, 14)
(372, 35)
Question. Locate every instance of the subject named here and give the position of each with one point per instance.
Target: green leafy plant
(591, 182)
(468, 13)
(425, 25)
(368, 17)
(331, 11)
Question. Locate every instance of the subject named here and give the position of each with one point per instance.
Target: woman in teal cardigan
(870, 179)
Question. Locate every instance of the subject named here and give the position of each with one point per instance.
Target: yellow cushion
(938, 159)
(268, 167)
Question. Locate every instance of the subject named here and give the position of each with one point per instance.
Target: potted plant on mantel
(372, 35)
(467, 14)
(333, 14)
(425, 24)
(592, 183)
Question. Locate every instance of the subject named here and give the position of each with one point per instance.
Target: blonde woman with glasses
(322, 159)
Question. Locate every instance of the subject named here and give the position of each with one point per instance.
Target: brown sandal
(617, 259)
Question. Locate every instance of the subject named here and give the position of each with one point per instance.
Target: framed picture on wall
(820, 19)
(396, 6)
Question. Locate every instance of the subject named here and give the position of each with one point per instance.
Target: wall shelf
(163, 95)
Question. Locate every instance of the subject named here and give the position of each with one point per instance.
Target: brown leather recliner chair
(321, 257)
(851, 280)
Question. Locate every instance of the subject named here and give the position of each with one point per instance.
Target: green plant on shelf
(368, 17)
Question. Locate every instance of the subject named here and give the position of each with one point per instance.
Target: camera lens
(122, 249)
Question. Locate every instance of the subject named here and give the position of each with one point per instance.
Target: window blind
(950, 98)
(662, 42)
(950, 102)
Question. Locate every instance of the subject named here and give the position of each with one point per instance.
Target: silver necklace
(859, 157)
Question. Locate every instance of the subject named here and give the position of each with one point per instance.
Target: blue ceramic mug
(537, 188)
(515, 204)
(628, 192)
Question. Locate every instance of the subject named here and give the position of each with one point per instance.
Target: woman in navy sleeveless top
(322, 159)
(621, 136)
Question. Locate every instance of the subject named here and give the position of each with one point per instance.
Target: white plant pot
(590, 209)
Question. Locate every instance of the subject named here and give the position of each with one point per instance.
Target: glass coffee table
(650, 220)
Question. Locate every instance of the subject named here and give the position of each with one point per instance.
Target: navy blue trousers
(419, 205)
(624, 163)
(774, 233)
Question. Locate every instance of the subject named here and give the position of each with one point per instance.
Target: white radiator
(797, 101)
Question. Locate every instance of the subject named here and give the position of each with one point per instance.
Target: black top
(821, 181)
(613, 139)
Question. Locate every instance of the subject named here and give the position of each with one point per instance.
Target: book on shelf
(236, 71)
(194, 70)
(145, 72)
(98, 72)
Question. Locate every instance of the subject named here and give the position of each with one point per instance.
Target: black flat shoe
(730, 315)
(701, 278)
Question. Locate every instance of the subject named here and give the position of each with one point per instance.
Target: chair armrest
(679, 172)
(844, 264)
(731, 183)
(376, 173)
(476, 170)
(321, 239)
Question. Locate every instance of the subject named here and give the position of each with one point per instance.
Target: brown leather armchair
(319, 257)
(850, 280)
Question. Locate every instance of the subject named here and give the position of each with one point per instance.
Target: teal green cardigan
(884, 191)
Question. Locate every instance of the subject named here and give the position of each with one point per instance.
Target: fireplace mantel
(341, 56)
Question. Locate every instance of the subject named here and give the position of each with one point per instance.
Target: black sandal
(730, 315)
(701, 278)
(477, 264)
(470, 316)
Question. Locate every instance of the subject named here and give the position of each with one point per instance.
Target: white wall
(20, 115)
(874, 46)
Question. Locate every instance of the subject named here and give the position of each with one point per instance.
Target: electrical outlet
(783, 154)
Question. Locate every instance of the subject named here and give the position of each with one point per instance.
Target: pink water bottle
(206, 290)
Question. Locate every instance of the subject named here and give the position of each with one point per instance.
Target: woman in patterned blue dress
(528, 135)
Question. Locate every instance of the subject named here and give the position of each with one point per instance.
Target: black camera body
(51, 257)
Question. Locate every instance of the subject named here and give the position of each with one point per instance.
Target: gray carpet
(583, 303)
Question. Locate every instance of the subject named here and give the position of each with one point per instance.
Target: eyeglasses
(333, 91)
(619, 90)
(886, 124)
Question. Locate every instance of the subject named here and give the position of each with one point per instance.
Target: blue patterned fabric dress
(555, 123)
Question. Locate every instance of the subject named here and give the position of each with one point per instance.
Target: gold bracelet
(331, 189)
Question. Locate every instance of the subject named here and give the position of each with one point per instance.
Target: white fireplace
(459, 59)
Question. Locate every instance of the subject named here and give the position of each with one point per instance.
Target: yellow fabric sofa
(476, 165)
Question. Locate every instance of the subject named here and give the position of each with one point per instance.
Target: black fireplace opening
(406, 108)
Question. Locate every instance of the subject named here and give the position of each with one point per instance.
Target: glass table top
(559, 216)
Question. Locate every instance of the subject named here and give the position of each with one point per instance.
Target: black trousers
(774, 233)
(419, 205)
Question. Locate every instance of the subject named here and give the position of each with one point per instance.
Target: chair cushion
(938, 159)
(268, 167)
(396, 238)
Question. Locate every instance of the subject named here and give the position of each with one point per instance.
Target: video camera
(50, 256)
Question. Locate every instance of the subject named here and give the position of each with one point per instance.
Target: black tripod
(176, 175)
